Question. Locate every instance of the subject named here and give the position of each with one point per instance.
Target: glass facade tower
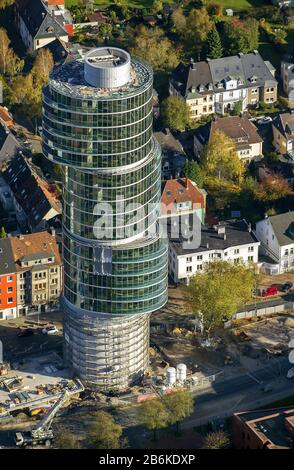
(97, 124)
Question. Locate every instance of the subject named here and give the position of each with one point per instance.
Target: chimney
(52, 231)
(207, 245)
(249, 227)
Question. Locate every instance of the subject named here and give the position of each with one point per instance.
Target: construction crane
(42, 434)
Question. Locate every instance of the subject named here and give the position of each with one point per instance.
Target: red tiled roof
(181, 190)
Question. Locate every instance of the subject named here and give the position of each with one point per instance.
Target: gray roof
(9, 145)
(237, 233)
(7, 265)
(241, 67)
(283, 227)
(36, 256)
(38, 20)
(285, 124)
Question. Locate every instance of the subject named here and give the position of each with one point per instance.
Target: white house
(276, 236)
(230, 241)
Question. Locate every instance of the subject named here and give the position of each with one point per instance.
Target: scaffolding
(108, 353)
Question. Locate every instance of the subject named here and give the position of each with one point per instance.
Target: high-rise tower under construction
(97, 124)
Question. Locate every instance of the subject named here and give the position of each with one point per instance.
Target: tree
(272, 188)
(152, 46)
(65, 439)
(179, 406)
(43, 65)
(216, 440)
(215, 10)
(153, 415)
(179, 21)
(175, 113)
(220, 159)
(214, 45)
(10, 63)
(240, 36)
(156, 6)
(2, 232)
(198, 26)
(5, 3)
(104, 432)
(193, 171)
(217, 293)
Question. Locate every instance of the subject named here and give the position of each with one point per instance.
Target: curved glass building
(97, 124)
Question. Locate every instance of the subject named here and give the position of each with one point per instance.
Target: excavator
(42, 434)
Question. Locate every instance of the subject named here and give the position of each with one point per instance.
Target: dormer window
(253, 79)
(210, 86)
(193, 89)
(220, 85)
(201, 88)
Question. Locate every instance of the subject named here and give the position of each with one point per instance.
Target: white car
(290, 373)
(264, 120)
(50, 330)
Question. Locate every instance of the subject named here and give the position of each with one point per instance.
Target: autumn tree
(175, 113)
(104, 432)
(193, 171)
(215, 10)
(272, 188)
(65, 439)
(5, 3)
(179, 405)
(192, 28)
(220, 159)
(214, 45)
(217, 293)
(153, 415)
(216, 440)
(10, 63)
(152, 46)
(241, 36)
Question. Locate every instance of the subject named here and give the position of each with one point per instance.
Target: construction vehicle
(42, 434)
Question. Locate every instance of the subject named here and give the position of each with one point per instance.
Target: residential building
(264, 429)
(232, 240)
(61, 14)
(287, 75)
(9, 145)
(115, 263)
(276, 236)
(36, 203)
(8, 288)
(182, 197)
(38, 268)
(5, 117)
(173, 154)
(283, 134)
(240, 130)
(36, 25)
(217, 85)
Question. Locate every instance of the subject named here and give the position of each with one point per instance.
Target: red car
(272, 290)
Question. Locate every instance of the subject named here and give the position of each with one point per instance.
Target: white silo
(181, 373)
(171, 376)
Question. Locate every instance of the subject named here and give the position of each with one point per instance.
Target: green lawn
(238, 5)
(131, 3)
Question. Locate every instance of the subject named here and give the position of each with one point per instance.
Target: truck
(42, 434)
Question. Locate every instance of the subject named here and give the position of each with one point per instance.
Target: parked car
(50, 330)
(26, 332)
(286, 287)
(264, 120)
(272, 290)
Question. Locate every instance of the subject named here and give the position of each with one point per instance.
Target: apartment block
(216, 86)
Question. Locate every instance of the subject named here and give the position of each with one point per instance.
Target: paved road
(224, 398)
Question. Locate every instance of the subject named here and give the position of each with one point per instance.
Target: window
(236, 251)
(250, 258)
(189, 269)
(9, 278)
(9, 289)
(199, 257)
(250, 248)
(189, 259)
(10, 300)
